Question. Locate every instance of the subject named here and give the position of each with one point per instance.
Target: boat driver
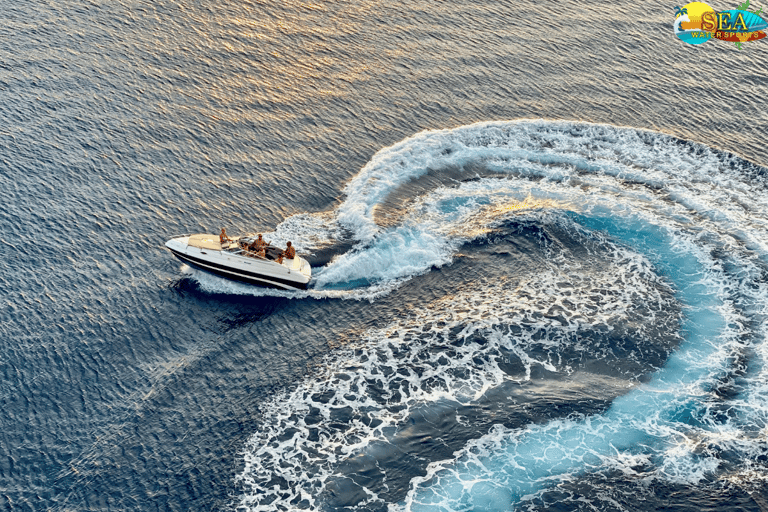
(260, 243)
(223, 236)
(289, 252)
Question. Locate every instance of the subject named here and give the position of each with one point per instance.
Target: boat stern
(304, 268)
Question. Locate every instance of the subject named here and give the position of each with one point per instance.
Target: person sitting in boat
(260, 242)
(261, 253)
(223, 236)
(289, 252)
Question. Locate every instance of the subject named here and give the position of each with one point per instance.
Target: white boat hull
(205, 252)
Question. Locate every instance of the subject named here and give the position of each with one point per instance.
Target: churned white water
(679, 230)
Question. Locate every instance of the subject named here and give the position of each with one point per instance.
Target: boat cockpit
(241, 247)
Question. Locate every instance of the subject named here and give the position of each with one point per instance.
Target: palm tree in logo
(745, 7)
(679, 12)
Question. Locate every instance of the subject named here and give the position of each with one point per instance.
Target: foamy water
(674, 247)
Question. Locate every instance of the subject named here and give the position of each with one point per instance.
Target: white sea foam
(679, 208)
(396, 371)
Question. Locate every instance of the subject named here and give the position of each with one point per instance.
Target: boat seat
(273, 252)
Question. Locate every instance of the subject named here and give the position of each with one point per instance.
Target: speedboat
(232, 260)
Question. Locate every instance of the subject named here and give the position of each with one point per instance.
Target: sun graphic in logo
(689, 22)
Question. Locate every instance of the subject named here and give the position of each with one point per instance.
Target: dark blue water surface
(494, 301)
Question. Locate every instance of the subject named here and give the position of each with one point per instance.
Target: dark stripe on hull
(240, 275)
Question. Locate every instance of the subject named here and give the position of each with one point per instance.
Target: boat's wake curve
(595, 253)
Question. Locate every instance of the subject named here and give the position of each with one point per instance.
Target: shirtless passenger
(289, 252)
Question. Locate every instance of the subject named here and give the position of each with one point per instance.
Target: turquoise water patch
(506, 467)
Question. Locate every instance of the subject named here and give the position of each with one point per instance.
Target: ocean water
(539, 235)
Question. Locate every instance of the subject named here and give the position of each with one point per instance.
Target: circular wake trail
(664, 240)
